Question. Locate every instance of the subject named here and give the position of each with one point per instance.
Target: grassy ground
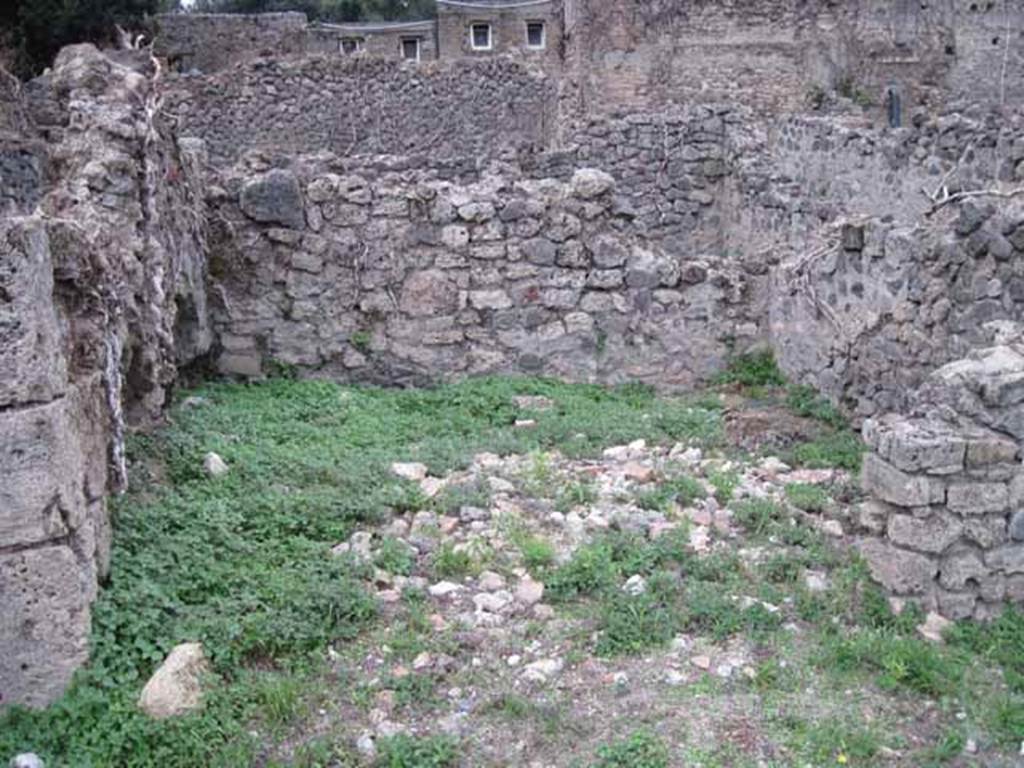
(242, 563)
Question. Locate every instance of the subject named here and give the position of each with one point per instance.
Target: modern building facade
(528, 30)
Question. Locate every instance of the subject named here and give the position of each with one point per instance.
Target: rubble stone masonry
(670, 182)
(945, 526)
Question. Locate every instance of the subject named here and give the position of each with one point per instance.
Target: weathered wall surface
(779, 56)
(402, 277)
(101, 297)
(208, 42)
(868, 318)
(380, 40)
(508, 32)
(945, 526)
(687, 184)
(367, 106)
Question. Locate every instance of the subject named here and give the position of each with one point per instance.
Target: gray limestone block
(608, 251)
(1008, 559)
(274, 198)
(1017, 526)
(41, 494)
(429, 293)
(914, 445)
(900, 488)
(588, 183)
(241, 363)
(1004, 390)
(991, 449)
(44, 624)
(932, 534)
(978, 498)
(896, 569)
(32, 360)
(962, 567)
(986, 531)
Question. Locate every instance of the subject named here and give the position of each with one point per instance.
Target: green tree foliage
(36, 29)
(328, 10)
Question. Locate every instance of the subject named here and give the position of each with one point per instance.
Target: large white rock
(214, 465)
(176, 687)
(410, 471)
(590, 182)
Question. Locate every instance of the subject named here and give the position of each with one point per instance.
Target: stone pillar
(945, 526)
(53, 534)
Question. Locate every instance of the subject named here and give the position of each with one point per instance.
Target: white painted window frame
(490, 36)
(543, 35)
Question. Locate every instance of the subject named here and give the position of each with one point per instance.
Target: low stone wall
(945, 526)
(403, 277)
(362, 105)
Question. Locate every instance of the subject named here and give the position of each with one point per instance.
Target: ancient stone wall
(694, 180)
(781, 56)
(945, 527)
(209, 42)
(102, 296)
(403, 277)
(367, 106)
(868, 318)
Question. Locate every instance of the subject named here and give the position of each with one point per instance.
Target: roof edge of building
(370, 26)
(499, 5)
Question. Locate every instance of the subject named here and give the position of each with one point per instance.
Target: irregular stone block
(987, 532)
(274, 198)
(959, 568)
(539, 250)
(898, 570)
(31, 352)
(1008, 559)
(1016, 529)
(477, 212)
(991, 450)
(608, 252)
(978, 498)
(931, 534)
(429, 293)
(956, 605)
(993, 587)
(915, 446)
(41, 495)
(974, 372)
(890, 484)
(495, 299)
(44, 624)
(589, 183)
(1004, 391)
(323, 189)
(1017, 491)
(241, 364)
